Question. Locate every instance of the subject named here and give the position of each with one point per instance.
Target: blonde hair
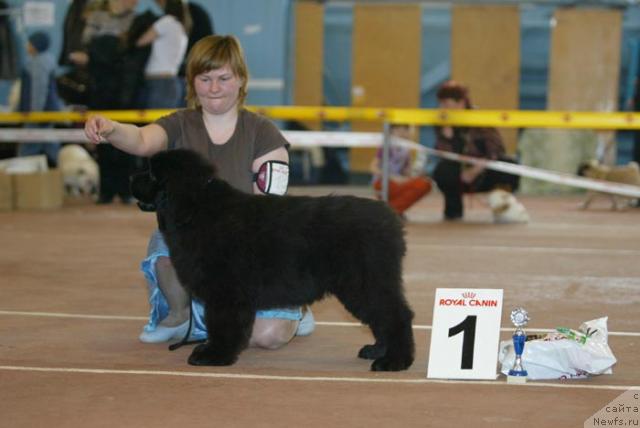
(212, 53)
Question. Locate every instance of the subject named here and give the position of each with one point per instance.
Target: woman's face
(451, 104)
(218, 90)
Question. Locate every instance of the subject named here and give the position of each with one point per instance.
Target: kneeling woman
(453, 178)
(239, 143)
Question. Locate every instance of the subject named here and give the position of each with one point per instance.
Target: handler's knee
(272, 333)
(163, 263)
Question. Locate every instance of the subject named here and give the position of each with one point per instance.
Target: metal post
(386, 145)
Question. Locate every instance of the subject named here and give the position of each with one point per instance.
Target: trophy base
(517, 376)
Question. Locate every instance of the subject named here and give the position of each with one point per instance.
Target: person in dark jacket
(104, 54)
(9, 67)
(201, 26)
(455, 178)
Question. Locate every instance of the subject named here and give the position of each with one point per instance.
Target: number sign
(465, 333)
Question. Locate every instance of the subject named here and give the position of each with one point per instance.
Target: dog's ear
(158, 168)
(184, 165)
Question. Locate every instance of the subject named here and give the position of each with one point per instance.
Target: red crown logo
(468, 295)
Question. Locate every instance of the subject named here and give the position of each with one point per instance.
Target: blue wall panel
(338, 29)
(261, 26)
(264, 28)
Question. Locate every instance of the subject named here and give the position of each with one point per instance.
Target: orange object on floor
(404, 195)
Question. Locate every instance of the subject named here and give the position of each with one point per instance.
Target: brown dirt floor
(73, 301)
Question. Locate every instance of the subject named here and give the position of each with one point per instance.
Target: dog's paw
(386, 364)
(206, 355)
(371, 352)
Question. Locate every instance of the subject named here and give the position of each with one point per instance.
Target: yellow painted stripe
(138, 116)
(496, 118)
(518, 118)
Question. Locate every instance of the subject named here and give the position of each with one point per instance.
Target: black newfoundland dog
(238, 253)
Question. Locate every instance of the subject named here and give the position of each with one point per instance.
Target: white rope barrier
(545, 175)
(42, 135)
(298, 138)
(306, 139)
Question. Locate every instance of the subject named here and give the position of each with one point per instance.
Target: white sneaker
(164, 334)
(307, 324)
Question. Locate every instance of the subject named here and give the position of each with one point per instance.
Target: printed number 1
(468, 328)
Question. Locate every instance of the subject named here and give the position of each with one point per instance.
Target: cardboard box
(24, 164)
(38, 191)
(6, 192)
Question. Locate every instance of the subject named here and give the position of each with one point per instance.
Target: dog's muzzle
(148, 191)
(161, 202)
(147, 207)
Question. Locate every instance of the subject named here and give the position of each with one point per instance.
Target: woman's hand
(147, 38)
(447, 131)
(469, 174)
(97, 128)
(79, 58)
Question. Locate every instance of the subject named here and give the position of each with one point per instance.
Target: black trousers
(447, 177)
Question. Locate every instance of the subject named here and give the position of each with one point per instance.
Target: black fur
(238, 253)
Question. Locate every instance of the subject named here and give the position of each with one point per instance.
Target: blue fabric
(38, 91)
(51, 150)
(162, 93)
(160, 308)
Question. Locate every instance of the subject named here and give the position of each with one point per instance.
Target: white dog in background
(80, 171)
(506, 208)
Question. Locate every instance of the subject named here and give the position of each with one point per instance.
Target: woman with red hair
(455, 178)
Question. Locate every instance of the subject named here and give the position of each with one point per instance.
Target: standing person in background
(9, 58)
(74, 22)
(240, 143)
(168, 39)
(72, 85)
(201, 26)
(135, 60)
(404, 188)
(455, 178)
(105, 39)
(38, 92)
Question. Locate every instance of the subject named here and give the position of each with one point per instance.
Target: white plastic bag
(564, 354)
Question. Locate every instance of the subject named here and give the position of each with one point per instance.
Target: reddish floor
(72, 302)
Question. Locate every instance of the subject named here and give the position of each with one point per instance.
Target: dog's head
(81, 181)
(592, 169)
(499, 200)
(176, 175)
(506, 208)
